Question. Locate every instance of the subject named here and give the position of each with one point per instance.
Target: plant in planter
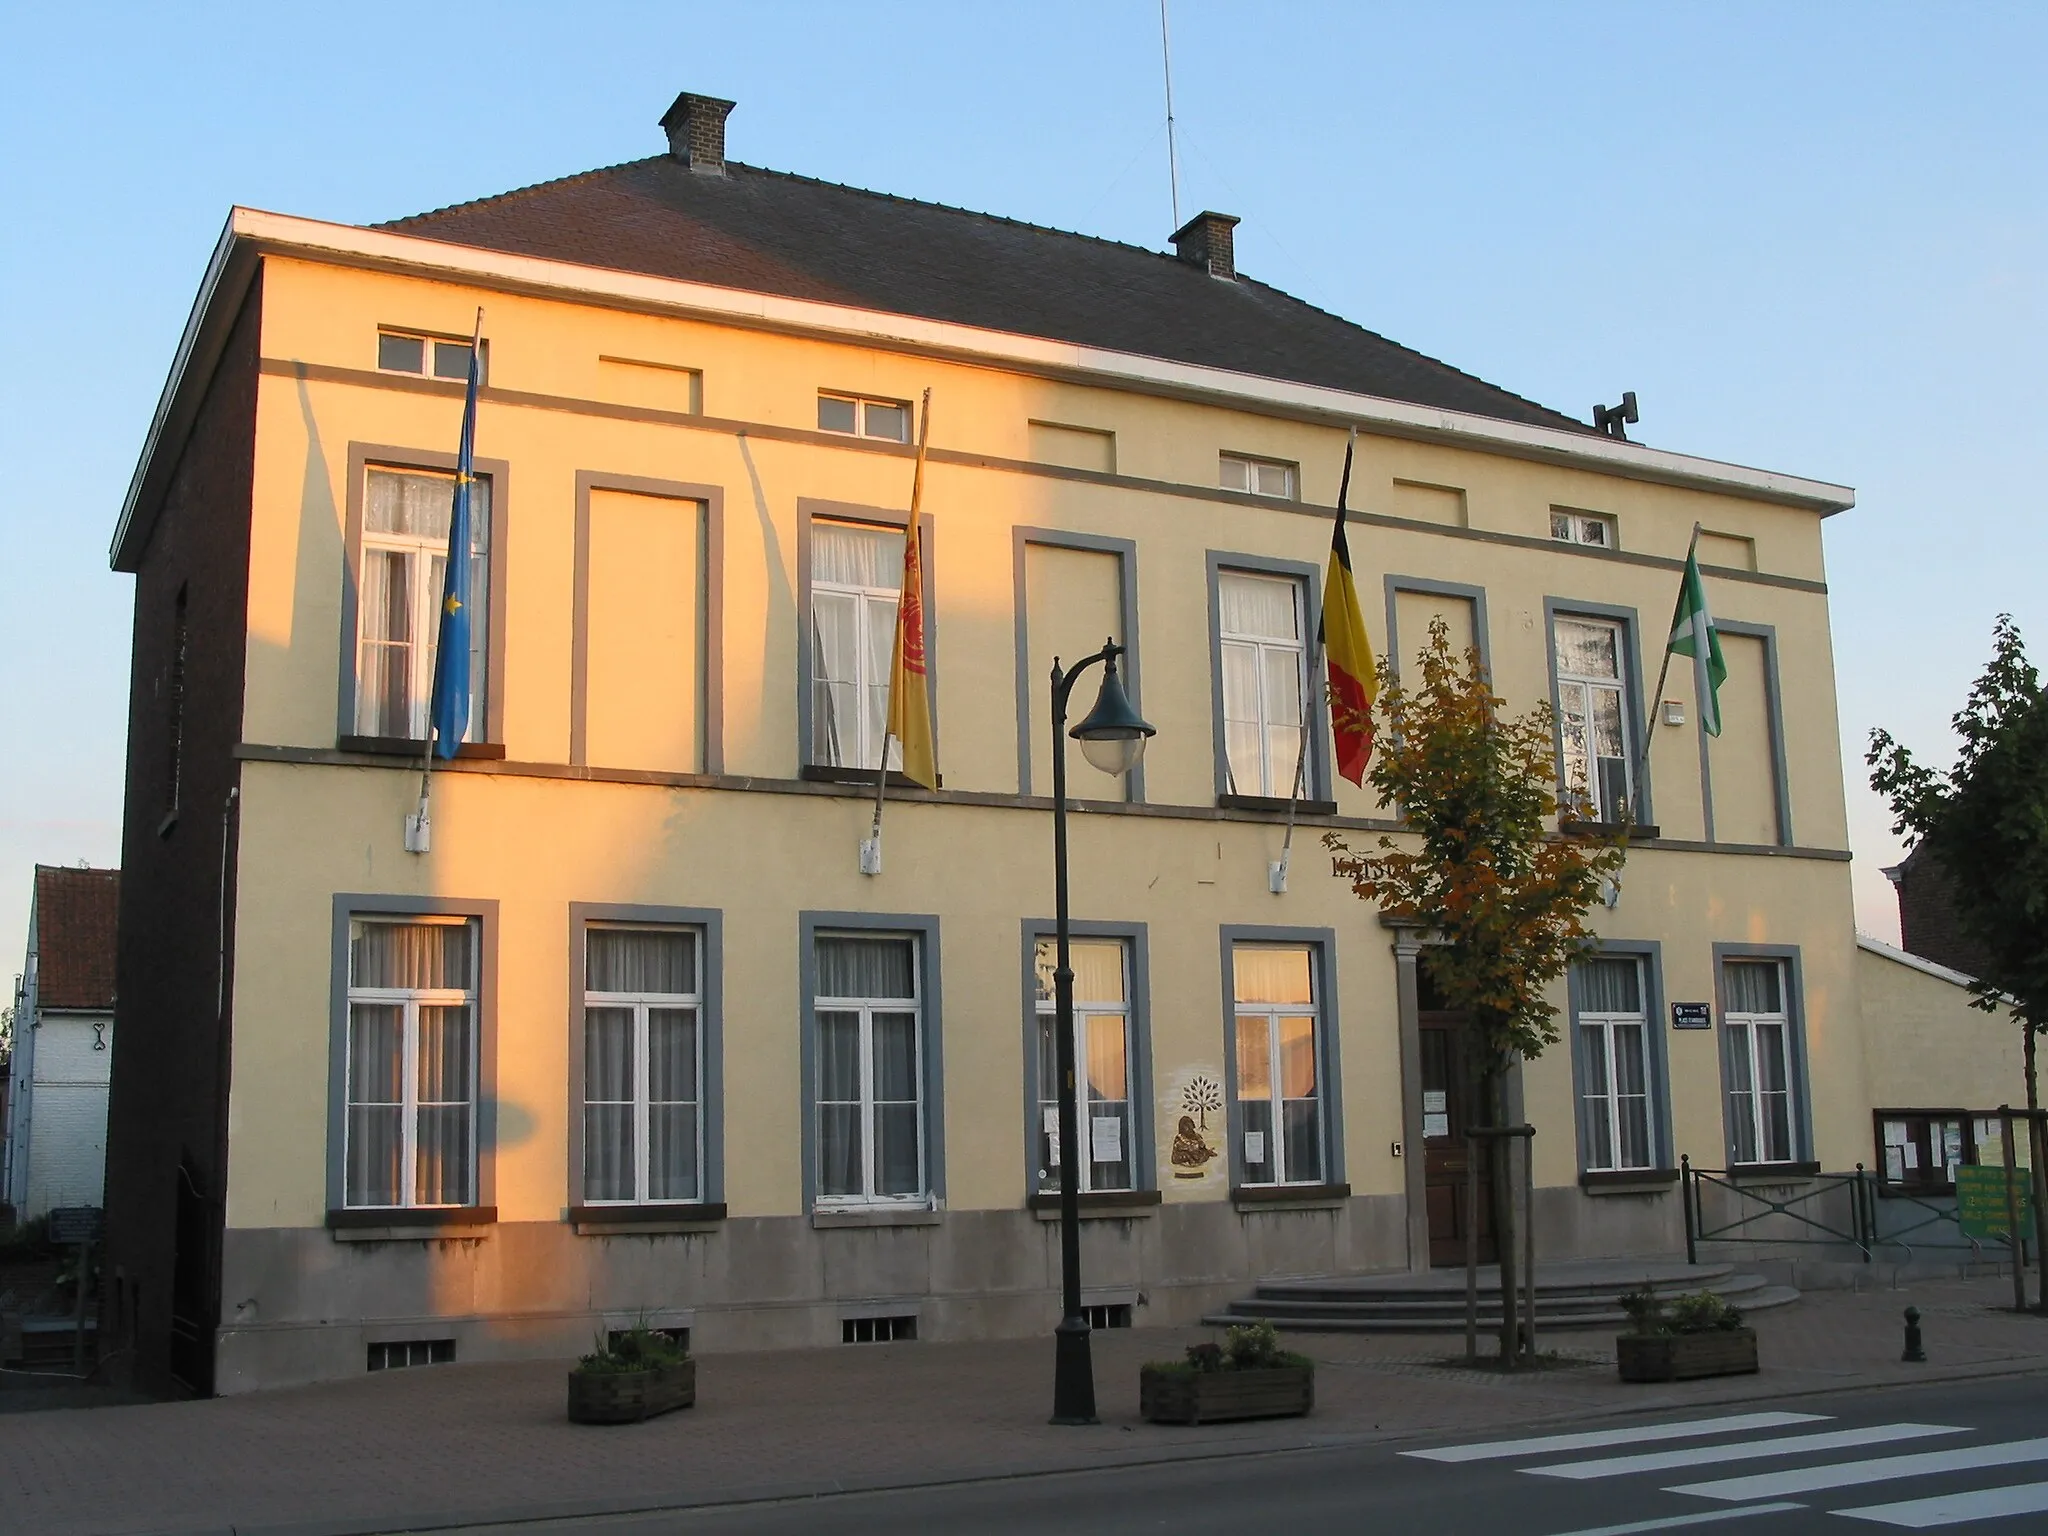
(1695, 1335)
(1247, 1376)
(631, 1376)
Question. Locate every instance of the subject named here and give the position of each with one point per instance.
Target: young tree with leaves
(1482, 864)
(1985, 825)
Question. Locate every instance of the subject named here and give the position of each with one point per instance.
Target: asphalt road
(1971, 1456)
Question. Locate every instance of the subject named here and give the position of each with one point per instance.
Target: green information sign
(1980, 1201)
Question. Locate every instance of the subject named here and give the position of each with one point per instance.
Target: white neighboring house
(55, 1147)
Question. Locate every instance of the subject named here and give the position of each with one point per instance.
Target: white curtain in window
(1270, 974)
(672, 1098)
(411, 1062)
(641, 960)
(1610, 986)
(376, 1109)
(839, 1104)
(855, 555)
(868, 968)
(410, 956)
(1263, 607)
(608, 1104)
(1752, 986)
(405, 546)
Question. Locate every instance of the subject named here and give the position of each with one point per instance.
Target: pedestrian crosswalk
(1810, 1463)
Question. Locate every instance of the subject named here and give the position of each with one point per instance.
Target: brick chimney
(1206, 241)
(696, 132)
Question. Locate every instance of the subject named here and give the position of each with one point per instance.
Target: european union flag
(449, 711)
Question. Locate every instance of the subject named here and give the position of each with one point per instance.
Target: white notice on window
(1052, 1137)
(1912, 1155)
(1894, 1164)
(1254, 1146)
(1436, 1125)
(1106, 1139)
(1895, 1133)
(1434, 1103)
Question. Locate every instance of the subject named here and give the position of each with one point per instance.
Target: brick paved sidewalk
(460, 1444)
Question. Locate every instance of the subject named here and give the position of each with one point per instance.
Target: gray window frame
(711, 635)
(348, 905)
(1135, 939)
(1555, 608)
(709, 925)
(924, 927)
(1322, 946)
(1427, 587)
(1788, 955)
(809, 510)
(362, 458)
(1132, 669)
(1649, 956)
(1320, 781)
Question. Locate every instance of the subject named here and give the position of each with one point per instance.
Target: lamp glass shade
(1114, 735)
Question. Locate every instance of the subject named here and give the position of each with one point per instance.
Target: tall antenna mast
(1172, 158)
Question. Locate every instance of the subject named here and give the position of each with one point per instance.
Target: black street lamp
(1112, 738)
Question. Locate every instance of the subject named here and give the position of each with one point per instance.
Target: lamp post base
(1073, 1376)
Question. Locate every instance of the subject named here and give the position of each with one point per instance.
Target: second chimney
(696, 132)
(1207, 241)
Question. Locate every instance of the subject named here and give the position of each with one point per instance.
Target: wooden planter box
(627, 1397)
(1683, 1356)
(1211, 1397)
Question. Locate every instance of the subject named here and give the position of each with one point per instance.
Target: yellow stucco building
(637, 1036)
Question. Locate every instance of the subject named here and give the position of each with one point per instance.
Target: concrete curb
(1750, 1391)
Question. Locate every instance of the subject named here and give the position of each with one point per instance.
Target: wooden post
(2012, 1212)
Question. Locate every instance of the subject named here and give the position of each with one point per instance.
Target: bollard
(1913, 1350)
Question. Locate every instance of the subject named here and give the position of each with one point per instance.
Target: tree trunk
(2037, 1146)
(1500, 1161)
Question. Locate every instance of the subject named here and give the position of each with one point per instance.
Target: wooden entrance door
(1450, 1102)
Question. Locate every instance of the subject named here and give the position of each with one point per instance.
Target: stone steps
(1568, 1296)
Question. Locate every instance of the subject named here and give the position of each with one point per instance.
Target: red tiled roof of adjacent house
(75, 912)
(772, 232)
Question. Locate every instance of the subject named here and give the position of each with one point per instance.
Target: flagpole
(871, 848)
(1276, 872)
(1656, 700)
(419, 827)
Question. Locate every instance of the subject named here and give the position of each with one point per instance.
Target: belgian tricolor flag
(1354, 677)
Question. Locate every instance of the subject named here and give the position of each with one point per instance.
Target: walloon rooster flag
(1354, 676)
(910, 704)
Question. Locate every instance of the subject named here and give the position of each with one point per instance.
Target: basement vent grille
(878, 1330)
(1109, 1314)
(396, 1357)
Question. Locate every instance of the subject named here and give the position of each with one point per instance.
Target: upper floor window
(1261, 627)
(642, 1065)
(1278, 1041)
(1594, 528)
(404, 556)
(1102, 1061)
(856, 582)
(868, 1093)
(435, 356)
(1756, 1032)
(1614, 1066)
(1261, 477)
(859, 416)
(1593, 718)
(410, 1133)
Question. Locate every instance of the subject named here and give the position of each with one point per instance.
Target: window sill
(1772, 1173)
(652, 1220)
(398, 746)
(1277, 804)
(1098, 1205)
(1628, 1181)
(827, 773)
(1290, 1197)
(876, 1216)
(1633, 830)
(396, 1224)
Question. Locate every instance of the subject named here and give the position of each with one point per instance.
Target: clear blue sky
(1811, 237)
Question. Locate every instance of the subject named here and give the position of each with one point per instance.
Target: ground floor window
(410, 1129)
(1277, 1038)
(642, 1065)
(1756, 1035)
(868, 1090)
(1102, 1059)
(1614, 1066)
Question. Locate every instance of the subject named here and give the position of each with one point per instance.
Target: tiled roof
(75, 910)
(772, 232)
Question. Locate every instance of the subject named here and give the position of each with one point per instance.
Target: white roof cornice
(251, 233)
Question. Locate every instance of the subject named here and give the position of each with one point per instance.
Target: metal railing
(1910, 1222)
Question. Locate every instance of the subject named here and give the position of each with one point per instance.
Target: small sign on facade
(1692, 1015)
(1981, 1200)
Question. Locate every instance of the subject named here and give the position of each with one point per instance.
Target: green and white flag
(1693, 634)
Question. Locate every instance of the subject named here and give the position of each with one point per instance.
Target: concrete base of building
(300, 1305)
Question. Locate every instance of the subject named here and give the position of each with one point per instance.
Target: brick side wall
(168, 1101)
(1927, 918)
